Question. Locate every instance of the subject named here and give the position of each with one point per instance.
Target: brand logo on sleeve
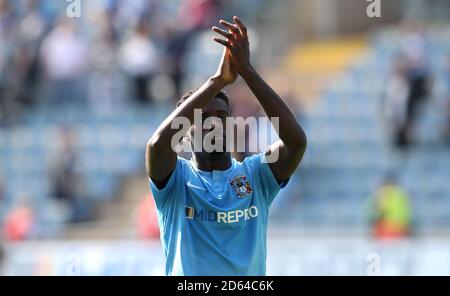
(190, 184)
(241, 186)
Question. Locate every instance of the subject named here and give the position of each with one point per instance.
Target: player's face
(214, 114)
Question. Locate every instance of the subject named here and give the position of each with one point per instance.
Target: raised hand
(236, 44)
(226, 72)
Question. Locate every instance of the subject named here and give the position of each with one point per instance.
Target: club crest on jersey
(241, 186)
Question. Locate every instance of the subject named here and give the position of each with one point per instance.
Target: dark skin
(218, 109)
(161, 159)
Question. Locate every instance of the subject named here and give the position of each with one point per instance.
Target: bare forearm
(290, 131)
(163, 135)
(160, 157)
(285, 155)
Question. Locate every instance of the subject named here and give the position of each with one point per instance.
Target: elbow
(150, 145)
(151, 149)
(153, 143)
(300, 143)
(304, 141)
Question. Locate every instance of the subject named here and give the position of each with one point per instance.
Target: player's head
(215, 112)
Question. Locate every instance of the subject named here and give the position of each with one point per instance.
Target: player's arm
(160, 158)
(291, 147)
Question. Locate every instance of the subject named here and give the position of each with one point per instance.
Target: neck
(221, 163)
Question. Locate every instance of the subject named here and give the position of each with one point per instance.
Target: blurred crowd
(410, 87)
(127, 52)
(389, 210)
(112, 52)
(117, 53)
(414, 83)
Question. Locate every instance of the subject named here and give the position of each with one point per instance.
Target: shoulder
(186, 165)
(254, 161)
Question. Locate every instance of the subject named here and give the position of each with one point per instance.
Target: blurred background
(80, 96)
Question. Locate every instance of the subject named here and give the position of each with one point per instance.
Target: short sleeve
(163, 195)
(264, 178)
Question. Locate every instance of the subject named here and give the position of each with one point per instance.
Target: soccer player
(212, 209)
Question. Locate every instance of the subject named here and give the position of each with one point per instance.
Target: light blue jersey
(215, 223)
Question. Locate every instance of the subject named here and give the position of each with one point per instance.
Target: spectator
(177, 46)
(414, 52)
(203, 14)
(447, 101)
(8, 20)
(19, 222)
(390, 211)
(139, 59)
(397, 93)
(106, 87)
(30, 35)
(8, 26)
(65, 180)
(63, 55)
(147, 219)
